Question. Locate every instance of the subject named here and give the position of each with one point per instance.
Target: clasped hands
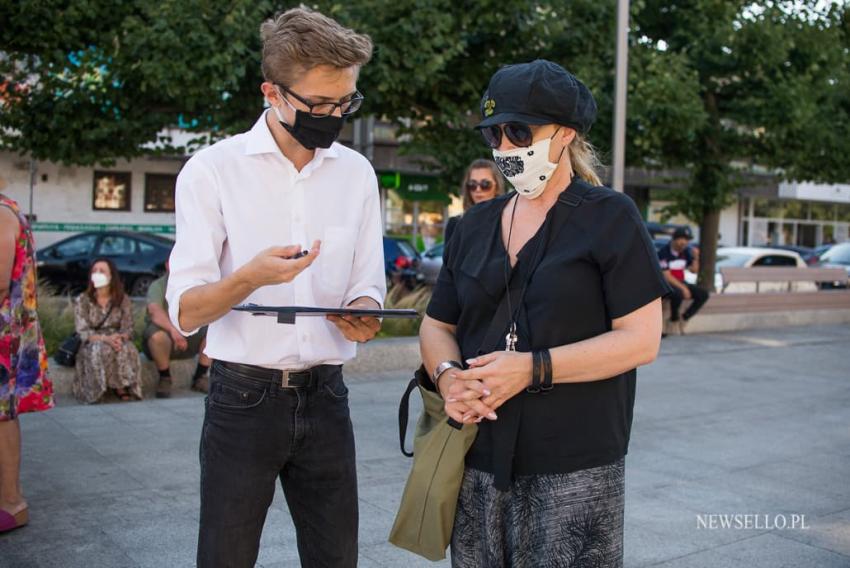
(476, 393)
(116, 340)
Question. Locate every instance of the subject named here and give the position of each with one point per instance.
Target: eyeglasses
(484, 184)
(519, 134)
(322, 110)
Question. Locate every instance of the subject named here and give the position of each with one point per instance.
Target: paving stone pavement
(753, 422)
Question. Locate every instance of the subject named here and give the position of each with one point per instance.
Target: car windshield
(729, 259)
(437, 250)
(839, 254)
(407, 249)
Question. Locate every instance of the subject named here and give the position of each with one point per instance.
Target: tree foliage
(715, 86)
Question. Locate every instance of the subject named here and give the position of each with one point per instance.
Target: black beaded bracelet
(536, 371)
(546, 385)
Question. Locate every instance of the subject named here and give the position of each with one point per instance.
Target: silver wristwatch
(443, 367)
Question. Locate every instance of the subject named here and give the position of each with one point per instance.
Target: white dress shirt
(242, 195)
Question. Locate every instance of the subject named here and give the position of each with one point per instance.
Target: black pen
(299, 254)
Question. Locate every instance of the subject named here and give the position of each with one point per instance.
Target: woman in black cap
(551, 376)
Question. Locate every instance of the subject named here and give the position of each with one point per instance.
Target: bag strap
(103, 321)
(567, 202)
(404, 413)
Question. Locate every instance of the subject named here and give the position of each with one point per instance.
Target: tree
(86, 81)
(773, 80)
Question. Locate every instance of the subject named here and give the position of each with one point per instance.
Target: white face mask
(99, 279)
(528, 169)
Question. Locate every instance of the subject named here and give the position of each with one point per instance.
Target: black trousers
(256, 432)
(699, 296)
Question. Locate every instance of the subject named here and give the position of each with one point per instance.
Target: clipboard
(287, 314)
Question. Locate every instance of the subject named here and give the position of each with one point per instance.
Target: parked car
(838, 256)
(745, 257)
(402, 263)
(139, 257)
(809, 254)
(432, 263)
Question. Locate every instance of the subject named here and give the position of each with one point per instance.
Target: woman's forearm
(602, 357)
(205, 304)
(437, 343)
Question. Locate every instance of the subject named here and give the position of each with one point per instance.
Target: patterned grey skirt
(570, 520)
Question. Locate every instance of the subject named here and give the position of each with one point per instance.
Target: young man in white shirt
(277, 406)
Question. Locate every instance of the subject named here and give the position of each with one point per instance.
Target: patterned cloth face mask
(528, 169)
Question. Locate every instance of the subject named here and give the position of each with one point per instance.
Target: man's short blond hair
(301, 39)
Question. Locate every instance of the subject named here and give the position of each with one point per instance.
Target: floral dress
(24, 386)
(99, 366)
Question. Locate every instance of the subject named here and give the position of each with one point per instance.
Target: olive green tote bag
(425, 518)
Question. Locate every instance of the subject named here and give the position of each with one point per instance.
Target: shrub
(399, 297)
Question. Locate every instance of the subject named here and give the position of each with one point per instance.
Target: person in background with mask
(108, 358)
(277, 408)
(482, 182)
(544, 478)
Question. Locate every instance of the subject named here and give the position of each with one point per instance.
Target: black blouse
(598, 265)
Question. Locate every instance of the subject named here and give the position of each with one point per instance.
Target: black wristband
(536, 372)
(546, 384)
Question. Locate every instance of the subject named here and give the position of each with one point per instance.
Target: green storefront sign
(413, 187)
(82, 227)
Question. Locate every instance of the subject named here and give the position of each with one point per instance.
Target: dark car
(139, 257)
(402, 263)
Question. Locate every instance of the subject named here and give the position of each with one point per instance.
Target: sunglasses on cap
(484, 184)
(519, 134)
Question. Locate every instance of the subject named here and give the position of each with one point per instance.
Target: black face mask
(312, 132)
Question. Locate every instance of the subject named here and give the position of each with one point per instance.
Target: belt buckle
(284, 381)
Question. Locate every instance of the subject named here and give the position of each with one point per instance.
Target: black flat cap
(682, 233)
(540, 92)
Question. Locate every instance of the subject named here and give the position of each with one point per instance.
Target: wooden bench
(761, 274)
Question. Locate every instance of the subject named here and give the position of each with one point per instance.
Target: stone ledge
(181, 374)
(714, 323)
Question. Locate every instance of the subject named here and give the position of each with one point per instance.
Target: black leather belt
(307, 378)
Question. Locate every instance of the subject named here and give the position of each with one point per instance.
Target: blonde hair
(584, 160)
(481, 164)
(301, 39)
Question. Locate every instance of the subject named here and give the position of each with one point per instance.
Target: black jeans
(699, 296)
(256, 432)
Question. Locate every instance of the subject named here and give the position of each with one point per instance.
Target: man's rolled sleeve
(367, 271)
(200, 236)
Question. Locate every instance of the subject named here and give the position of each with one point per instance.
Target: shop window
(823, 211)
(769, 208)
(111, 191)
(159, 193)
(796, 210)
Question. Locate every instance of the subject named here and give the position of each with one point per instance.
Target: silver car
(432, 262)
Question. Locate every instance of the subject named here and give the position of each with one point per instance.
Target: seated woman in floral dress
(107, 358)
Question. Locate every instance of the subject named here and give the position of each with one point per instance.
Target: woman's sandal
(10, 522)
